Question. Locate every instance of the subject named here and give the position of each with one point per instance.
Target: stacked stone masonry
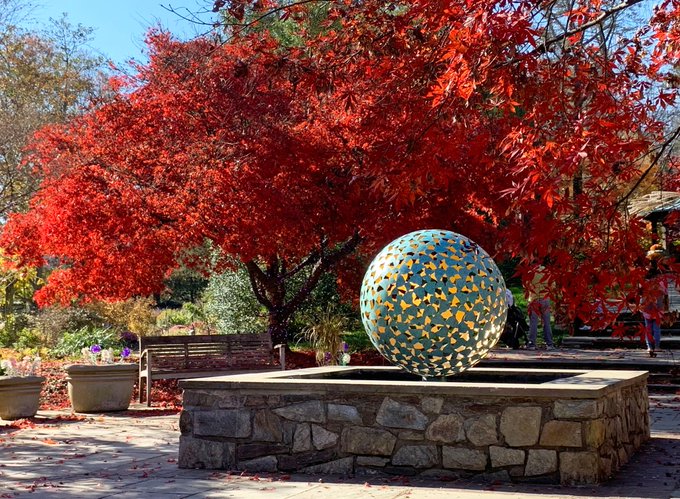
(568, 441)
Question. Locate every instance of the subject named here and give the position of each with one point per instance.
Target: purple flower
(95, 348)
(125, 353)
(327, 356)
(345, 347)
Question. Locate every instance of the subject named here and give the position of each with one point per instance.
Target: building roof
(655, 204)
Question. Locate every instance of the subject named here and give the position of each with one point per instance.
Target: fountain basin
(536, 425)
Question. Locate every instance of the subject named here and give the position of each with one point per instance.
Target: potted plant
(19, 388)
(101, 385)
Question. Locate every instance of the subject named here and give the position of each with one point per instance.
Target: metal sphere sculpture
(433, 302)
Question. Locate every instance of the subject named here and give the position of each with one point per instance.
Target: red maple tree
(505, 121)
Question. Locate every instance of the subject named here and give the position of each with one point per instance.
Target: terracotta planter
(101, 388)
(19, 396)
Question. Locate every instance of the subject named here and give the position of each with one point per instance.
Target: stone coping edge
(584, 384)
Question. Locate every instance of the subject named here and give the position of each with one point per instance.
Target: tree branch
(256, 276)
(312, 258)
(543, 48)
(325, 263)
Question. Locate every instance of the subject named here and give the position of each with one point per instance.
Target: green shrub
(358, 340)
(185, 316)
(172, 317)
(29, 339)
(230, 304)
(71, 343)
(12, 326)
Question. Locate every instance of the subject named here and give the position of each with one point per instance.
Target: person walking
(539, 306)
(653, 311)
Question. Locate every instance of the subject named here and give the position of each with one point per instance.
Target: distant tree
(44, 78)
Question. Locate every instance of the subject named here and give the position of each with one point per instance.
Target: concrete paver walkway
(134, 454)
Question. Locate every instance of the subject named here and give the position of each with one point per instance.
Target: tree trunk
(8, 306)
(269, 284)
(277, 327)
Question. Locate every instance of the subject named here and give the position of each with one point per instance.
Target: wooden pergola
(655, 207)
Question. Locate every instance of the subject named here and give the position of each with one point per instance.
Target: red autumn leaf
(461, 115)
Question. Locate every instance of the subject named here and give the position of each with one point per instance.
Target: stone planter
(101, 388)
(19, 396)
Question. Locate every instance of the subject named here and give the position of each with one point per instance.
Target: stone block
(343, 466)
(613, 431)
(274, 400)
(393, 414)
(230, 423)
(594, 432)
(606, 470)
(312, 412)
(502, 456)
(261, 464)
(577, 409)
(368, 471)
(368, 441)
(613, 404)
(578, 468)
(222, 400)
(344, 413)
(302, 440)
(250, 451)
(267, 427)
(211, 399)
(377, 462)
(297, 462)
(432, 405)
(540, 462)
(447, 428)
(186, 422)
(411, 435)
(561, 434)
(322, 438)
(482, 431)
(521, 426)
(256, 401)
(288, 432)
(462, 458)
(206, 454)
(418, 456)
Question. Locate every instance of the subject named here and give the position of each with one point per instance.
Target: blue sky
(120, 25)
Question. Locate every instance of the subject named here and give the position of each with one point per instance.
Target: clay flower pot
(19, 396)
(101, 388)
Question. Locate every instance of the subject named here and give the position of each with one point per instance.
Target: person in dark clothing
(516, 328)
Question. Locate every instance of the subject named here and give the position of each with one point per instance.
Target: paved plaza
(134, 454)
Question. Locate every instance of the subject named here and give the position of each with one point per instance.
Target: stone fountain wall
(519, 438)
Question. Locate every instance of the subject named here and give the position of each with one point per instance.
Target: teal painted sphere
(433, 302)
